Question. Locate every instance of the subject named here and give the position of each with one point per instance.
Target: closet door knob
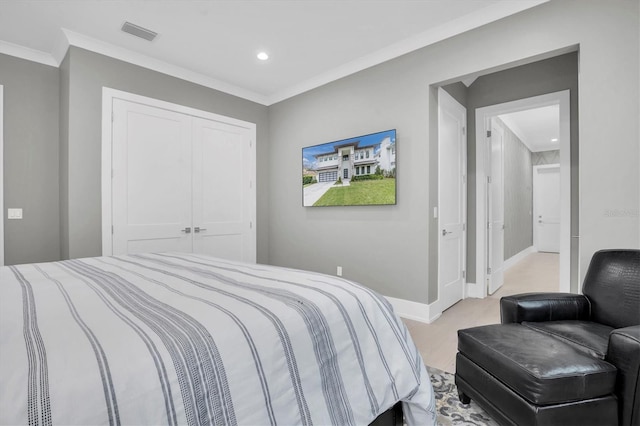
(198, 229)
(186, 230)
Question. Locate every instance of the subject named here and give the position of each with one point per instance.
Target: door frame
(2, 168)
(108, 96)
(490, 193)
(483, 116)
(535, 183)
(444, 94)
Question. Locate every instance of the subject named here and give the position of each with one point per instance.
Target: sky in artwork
(309, 153)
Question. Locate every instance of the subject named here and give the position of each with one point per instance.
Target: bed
(174, 338)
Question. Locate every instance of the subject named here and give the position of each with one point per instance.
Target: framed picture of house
(357, 171)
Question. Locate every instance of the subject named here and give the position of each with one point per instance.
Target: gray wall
(518, 194)
(30, 160)
(391, 249)
(382, 246)
(392, 93)
(88, 72)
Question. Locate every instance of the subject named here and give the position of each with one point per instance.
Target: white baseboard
(474, 290)
(518, 257)
(414, 310)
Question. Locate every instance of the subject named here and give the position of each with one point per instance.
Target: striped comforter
(189, 339)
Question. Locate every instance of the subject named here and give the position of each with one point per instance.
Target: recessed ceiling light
(554, 140)
(263, 56)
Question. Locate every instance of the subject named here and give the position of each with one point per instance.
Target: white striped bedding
(189, 339)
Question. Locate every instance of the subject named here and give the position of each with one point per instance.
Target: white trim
(496, 279)
(460, 25)
(446, 30)
(473, 290)
(105, 178)
(469, 81)
(414, 310)
(513, 260)
(108, 96)
(32, 55)
(2, 175)
(113, 51)
(483, 115)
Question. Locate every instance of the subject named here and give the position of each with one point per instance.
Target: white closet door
(222, 203)
(151, 185)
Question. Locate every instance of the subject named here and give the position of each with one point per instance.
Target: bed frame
(392, 417)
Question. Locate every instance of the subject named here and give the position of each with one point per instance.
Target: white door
(495, 249)
(546, 205)
(452, 143)
(181, 183)
(151, 184)
(222, 190)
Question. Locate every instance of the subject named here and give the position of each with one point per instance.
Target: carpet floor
(450, 410)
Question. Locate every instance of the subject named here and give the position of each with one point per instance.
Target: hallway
(438, 341)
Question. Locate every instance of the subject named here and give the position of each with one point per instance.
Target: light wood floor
(438, 341)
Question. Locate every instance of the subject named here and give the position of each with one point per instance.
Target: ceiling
(215, 42)
(536, 128)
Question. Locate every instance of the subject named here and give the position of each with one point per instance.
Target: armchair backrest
(612, 285)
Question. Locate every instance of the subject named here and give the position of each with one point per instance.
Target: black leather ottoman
(553, 385)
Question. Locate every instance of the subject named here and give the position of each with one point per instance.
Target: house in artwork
(350, 159)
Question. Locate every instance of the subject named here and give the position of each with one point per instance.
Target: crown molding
(465, 23)
(61, 48)
(116, 52)
(469, 81)
(72, 38)
(27, 53)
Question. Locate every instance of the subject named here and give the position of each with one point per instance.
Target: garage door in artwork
(328, 176)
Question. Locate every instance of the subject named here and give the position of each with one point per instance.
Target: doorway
(495, 205)
(485, 238)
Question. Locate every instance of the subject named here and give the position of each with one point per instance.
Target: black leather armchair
(603, 322)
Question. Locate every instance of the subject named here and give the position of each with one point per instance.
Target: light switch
(14, 213)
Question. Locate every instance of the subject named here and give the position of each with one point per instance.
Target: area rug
(450, 410)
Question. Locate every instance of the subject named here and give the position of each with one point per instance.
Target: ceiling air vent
(138, 31)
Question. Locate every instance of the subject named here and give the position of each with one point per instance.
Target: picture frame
(357, 171)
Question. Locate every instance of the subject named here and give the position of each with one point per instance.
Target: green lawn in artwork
(360, 193)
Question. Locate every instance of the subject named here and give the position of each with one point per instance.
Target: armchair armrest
(544, 307)
(624, 353)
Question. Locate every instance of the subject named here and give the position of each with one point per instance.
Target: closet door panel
(151, 179)
(221, 182)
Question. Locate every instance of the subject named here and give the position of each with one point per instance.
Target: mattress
(173, 338)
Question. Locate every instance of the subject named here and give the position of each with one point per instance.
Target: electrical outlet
(339, 271)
